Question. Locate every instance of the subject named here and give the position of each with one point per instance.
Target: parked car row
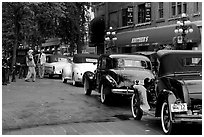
(174, 92)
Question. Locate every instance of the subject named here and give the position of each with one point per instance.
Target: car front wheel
(166, 122)
(105, 99)
(135, 107)
(87, 89)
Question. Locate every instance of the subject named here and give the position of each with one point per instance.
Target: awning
(155, 35)
(97, 29)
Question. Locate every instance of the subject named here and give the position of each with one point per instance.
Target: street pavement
(127, 127)
(18, 126)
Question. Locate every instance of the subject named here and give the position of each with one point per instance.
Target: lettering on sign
(140, 39)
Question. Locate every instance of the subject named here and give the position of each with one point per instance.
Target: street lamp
(182, 29)
(110, 39)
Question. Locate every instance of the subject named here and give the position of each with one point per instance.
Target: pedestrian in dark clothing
(5, 71)
(23, 69)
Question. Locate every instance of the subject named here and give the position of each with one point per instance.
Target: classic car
(176, 93)
(81, 64)
(54, 64)
(116, 74)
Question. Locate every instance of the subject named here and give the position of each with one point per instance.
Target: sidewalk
(127, 127)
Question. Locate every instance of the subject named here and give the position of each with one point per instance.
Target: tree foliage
(32, 23)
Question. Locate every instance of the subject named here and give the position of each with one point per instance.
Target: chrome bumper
(187, 118)
(123, 91)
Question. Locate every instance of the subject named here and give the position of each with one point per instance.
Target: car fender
(90, 77)
(164, 95)
(108, 80)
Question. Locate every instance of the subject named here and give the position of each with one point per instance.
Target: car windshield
(84, 60)
(131, 63)
(56, 59)
(192, 61)
(91, 60)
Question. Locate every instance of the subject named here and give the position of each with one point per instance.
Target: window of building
(144, 12)
(184, 7)
(161, 9)
(196, 9)
(141, 13)
(124, 17)
(127, 16)
(177, 8)
(173, 8)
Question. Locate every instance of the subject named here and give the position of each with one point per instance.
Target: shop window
(161, 9)
(126, 49)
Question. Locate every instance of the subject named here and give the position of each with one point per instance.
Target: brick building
(144, 26)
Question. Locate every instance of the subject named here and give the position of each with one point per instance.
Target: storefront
(151, 39)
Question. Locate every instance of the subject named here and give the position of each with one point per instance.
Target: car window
(91, 60)
(192, 61)
(125, 62)
(103, 63)
(48, 59)
(61, 60)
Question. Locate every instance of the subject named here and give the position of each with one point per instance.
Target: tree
(35, 22)
(14, 16)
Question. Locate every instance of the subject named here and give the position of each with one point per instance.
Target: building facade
(144, 26)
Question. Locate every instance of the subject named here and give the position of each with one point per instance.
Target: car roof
(172, 61)
(162, 53)
(81, 58)
(86, 55)
(135, 56)
(56, 55)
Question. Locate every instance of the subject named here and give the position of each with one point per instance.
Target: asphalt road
(49, 102)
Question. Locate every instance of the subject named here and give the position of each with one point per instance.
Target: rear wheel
(105, 99)
(87, 89)
(135, 107)
(166, 122)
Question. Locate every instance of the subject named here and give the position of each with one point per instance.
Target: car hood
(194, 88)
(83, 67)
(56, 64)
(130, 75)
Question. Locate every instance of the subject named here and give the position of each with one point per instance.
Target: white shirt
(42, 58)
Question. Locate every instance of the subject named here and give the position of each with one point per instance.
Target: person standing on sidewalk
(31, 66)
(41, 64)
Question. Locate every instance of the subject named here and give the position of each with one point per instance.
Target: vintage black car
(176, 93)
(116, 74)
